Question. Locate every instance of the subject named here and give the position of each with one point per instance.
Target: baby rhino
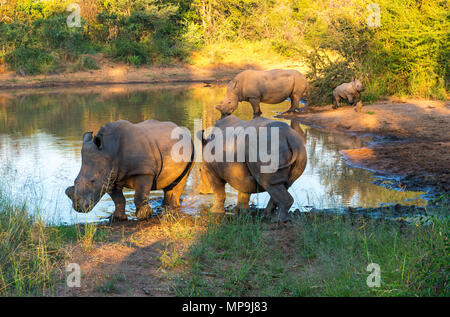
(136, 156)
(253, 156)
(350, 91)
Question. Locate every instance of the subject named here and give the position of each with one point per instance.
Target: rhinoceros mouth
(79, 205)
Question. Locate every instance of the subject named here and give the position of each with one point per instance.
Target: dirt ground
(111, 72)
(127, 263)
(410, 139)
(142, 258)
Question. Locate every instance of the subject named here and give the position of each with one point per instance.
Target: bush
(404, 56)
(44, 45)
(39, 41)
(131, 52)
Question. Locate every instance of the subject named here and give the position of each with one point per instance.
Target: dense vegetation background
(406, 55)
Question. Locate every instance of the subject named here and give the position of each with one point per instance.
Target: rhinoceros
(246, 174)
(126, 155)
(350, 91)
(272, 86)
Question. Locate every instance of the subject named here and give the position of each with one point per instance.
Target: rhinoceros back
(145, 148)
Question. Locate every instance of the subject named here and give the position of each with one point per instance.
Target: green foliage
(88, 63)
(38, 39)
(131, 52)
(407, 55)
(43, 46)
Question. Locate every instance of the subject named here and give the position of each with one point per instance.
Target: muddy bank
(408, 138)
(111, 72)
(119, 74)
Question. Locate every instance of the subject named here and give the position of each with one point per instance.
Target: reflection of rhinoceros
(245, 175)
(129, 155)
(272, 86)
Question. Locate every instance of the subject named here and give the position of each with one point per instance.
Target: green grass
(28, 256)
(315, 255)
(32, 254)
(319, 255)
(110, 285)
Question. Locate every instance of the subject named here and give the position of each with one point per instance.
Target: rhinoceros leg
(350, 99)
(243, 199)
(336, 103)
(270, 208)
(295, 100)
(142, 186)
(218, 187)
(282, 199)
(119, 202)
(172, 197)
(255, 105)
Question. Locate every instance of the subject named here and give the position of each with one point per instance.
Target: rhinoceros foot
(118, 218)
(217, 209)
(283, 218)
(144, 213)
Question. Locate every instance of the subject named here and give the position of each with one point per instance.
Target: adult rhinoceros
(247, 175)
(272, 86)
(137, 156)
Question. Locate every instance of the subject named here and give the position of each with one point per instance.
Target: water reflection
(40, 141)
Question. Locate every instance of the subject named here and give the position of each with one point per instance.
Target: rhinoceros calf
(136, 156)
(350, 91)
(246, 174)
(272, 86)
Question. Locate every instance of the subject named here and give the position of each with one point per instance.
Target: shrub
(131, 52)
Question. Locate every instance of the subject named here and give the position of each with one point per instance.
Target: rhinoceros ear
(87, 137)
(201, 136)
(98, 140)
(232, 84)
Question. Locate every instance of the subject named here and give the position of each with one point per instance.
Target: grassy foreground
(315, 255)
(31, 254)
(319, 255)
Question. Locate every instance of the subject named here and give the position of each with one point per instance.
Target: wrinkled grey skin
(246, 176)
(350, 91)
(136, 156)
(272, 86)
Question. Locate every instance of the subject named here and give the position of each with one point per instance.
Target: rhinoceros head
(358, 85)
(95, 174)
(230, 103)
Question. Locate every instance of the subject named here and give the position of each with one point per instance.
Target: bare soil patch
(126, 264)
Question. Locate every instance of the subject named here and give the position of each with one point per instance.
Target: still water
(40, 142)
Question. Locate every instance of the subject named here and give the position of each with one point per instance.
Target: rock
(146, 291)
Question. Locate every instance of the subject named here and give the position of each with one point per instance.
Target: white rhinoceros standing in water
(247, 175)
(272, 86)
(136, 156)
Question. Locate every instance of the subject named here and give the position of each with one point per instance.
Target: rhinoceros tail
(185, 171)
(296, 151)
